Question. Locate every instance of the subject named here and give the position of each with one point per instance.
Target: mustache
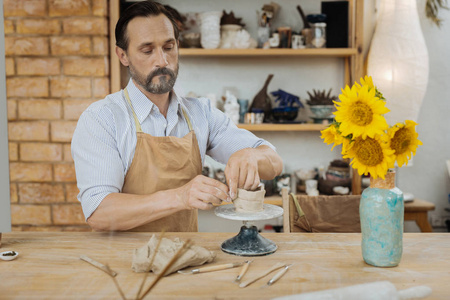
(160, 71)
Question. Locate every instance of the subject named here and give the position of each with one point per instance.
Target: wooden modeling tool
(273, 268)
(212, 268)
(278, 275)
(243, 270)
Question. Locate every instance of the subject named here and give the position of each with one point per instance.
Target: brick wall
(56, 65)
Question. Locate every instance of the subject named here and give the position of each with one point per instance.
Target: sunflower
(332, 135)
(404, 141)
(367, 81)
(360, 112)
(371, 155)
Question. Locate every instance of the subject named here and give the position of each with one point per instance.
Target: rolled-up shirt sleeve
(99, 168)
(225, 138)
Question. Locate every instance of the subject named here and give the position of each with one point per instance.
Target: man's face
(152, 54)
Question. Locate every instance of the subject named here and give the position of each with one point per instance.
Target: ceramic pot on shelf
(381, 212)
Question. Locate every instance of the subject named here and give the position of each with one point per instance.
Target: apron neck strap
(187, 119)
(136, 120)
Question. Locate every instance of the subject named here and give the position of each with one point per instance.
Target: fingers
(216, 189)
(256, 182)
(204, 192)
(251, 180)
(202, 205)
(242, 175)
(232, 177)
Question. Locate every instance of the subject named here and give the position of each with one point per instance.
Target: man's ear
(123, 57)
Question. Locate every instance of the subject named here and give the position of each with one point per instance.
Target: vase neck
(266, 84)
(387, 183)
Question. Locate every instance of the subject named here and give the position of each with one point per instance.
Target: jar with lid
(319, 39)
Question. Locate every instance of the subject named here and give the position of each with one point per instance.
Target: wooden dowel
(180, 252)
(116, 283)
(151, 263)
(98, 265)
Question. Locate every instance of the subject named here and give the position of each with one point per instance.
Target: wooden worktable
(417, 211)
(48, 266)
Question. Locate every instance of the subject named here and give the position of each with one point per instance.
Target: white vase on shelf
(210, 29)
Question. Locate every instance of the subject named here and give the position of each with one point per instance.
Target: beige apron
(162, 163)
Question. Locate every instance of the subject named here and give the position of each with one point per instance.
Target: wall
(56, 65)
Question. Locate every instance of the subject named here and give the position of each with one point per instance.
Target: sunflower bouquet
(366, 138)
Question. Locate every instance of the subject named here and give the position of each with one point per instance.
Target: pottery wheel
(249, 242)
(229, 212)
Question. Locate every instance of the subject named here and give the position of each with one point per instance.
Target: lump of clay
(250, 201)
(195, 256)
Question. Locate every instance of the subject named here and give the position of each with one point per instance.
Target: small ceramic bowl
(321, 111)
(5, 256)
(285, 113)
(191, 40)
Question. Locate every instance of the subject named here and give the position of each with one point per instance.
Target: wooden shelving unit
(282, 127)
(352, 56)
(336, 52)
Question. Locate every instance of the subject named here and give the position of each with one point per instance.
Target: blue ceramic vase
(381, 211)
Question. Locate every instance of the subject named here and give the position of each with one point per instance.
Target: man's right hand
(202, 192)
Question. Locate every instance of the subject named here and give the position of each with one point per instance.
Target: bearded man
(138, 153)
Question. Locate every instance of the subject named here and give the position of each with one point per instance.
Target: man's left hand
(242, 171)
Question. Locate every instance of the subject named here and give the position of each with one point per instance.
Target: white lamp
(398, 59)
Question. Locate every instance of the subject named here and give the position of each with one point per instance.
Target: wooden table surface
(49, 267)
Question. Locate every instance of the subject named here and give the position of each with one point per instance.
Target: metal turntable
(249, 242)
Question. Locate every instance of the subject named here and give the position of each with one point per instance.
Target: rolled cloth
(194, 256)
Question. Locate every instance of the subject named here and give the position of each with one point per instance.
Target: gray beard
(164, 86)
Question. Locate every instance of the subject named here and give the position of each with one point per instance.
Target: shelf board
(282, 127)
(274, 200)
(330, 52)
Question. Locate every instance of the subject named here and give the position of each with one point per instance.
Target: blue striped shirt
(104, 140)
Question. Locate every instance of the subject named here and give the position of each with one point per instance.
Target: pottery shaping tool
(243, 270)
(212, 268)
(273, 268)
(278, 275)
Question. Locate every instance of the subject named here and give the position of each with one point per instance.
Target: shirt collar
(142, 106)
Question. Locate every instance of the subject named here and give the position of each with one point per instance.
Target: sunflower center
(361, 114)
(401, 141)
(369, 152)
